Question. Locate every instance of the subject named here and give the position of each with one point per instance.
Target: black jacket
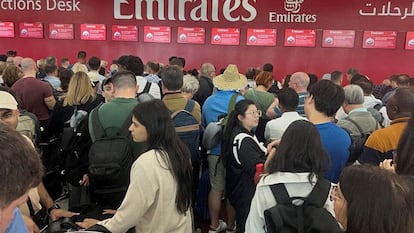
(205, 90)
(240, 184)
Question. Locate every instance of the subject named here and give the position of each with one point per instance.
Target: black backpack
(357, 142)
(308, 217)
(74, 147)
(110, 160)
(188, 129)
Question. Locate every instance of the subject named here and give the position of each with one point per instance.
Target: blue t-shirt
(336, 142)
(17, 223)
(215, 106)
(55, 82)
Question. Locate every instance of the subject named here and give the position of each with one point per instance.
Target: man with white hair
(359, 121)
(299, 82)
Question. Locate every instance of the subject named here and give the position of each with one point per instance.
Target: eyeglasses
(254, 113)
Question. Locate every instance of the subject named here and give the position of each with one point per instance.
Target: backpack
(29, 125)
(188, 129)
(214, 130)
(301, 214)
(146, 88)
(237, 144)
(375, 112)
(357, 142)
(74, 146)
(110, 161)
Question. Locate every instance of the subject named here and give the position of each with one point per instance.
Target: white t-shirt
(154, 90)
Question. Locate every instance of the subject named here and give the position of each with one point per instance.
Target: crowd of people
(341, 133)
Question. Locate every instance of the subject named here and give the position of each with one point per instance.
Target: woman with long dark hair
(369, 199)
(298, 163)
(158, 198)
(241, 152)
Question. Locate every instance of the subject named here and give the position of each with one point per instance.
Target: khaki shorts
(217, 173)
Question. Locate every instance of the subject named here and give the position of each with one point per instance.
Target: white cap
(7, 101)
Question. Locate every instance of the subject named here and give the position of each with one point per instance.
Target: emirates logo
(293, 5)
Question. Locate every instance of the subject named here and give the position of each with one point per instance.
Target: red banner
(6, 29)
(190, 35)
(124, 33)
(409, 41)
(338, 38)
(379, 40)
(31, 30)
(157, 34)
(300, 38)
(225, 36)
(261, 37)
(93, 31)
(61, 31)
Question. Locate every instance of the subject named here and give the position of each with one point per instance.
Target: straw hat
(231, 79)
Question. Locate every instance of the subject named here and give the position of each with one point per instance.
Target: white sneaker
(231, 231)
(221, 227)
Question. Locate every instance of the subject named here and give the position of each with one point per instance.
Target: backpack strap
(124, 130)
(189, 106)
(377, 107)
(317, 196)
(232, 103)
(97, 127)
(319, 192)
(30, 207)
(280, 193)
(237, 144)
(100, 132)
(356, 124)
(147, 87)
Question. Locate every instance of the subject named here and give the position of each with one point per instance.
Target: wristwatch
(53, 207)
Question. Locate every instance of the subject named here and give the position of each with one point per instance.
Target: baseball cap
(7, 101)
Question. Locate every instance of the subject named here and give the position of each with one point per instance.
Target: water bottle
(258, 173)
